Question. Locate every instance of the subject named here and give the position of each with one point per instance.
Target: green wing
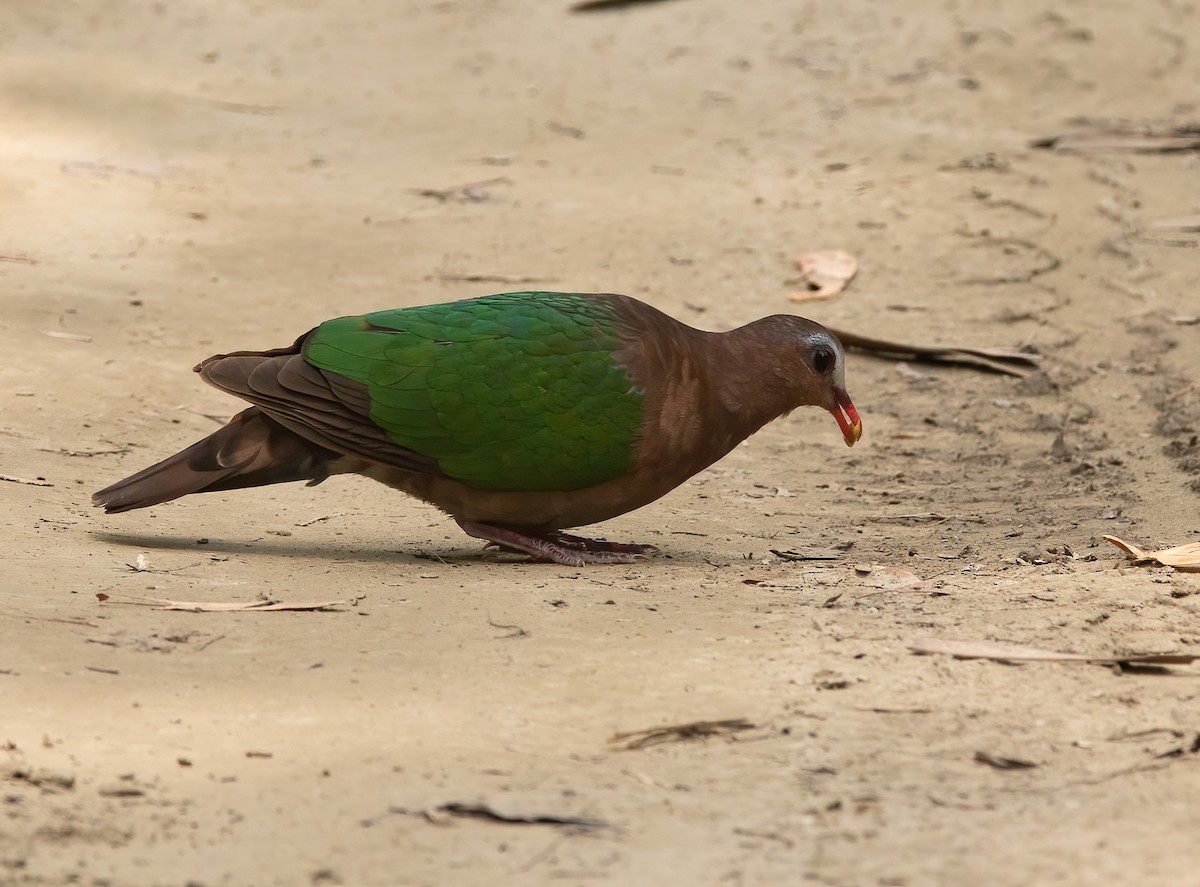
(518, 391)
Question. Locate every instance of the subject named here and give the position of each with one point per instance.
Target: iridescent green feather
(518, 391)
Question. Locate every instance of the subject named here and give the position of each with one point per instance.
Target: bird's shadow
(287, 548)
(290, 548)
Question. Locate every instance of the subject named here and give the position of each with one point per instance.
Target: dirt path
(183, 178)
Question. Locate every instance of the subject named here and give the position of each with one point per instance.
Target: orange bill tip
(847, 418)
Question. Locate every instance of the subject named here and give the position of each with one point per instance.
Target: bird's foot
(557, 547)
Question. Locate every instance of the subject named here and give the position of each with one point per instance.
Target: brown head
(803, 364)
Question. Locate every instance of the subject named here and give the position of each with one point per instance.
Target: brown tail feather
(250, 451)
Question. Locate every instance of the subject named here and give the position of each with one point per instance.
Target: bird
(521, 415)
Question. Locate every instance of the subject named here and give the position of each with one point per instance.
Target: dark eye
(822, 360)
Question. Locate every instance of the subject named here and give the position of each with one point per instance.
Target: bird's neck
(715, 391)
(746, 388)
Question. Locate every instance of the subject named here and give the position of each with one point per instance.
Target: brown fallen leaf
(1002, 652)
(637, 739)
(1185, 558)
(217, 607)
(1008, 361)
(824, 274)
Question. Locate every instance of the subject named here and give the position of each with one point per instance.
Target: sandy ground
(183, 178)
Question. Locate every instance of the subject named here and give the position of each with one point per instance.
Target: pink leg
(556, 547)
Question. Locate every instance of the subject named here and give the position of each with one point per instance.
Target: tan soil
(183, 178)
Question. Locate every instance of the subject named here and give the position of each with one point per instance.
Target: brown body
(704, 394)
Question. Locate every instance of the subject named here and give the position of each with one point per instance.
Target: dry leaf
(1002, 652)
(998, 360)
(215, 607)
(1185, 558)
(824, 273)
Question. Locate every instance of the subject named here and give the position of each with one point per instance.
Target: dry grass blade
(490, 277)
(1184, 231)
(1002, 652)
(468, 192)
(69, 337)
(1185, 558)
(488, 813)
(808, 554)
(1124, 138)
(1003, 763)
(1185, 223)
(260, 606)
(1007, 361)
(602, 5)
(636, 739)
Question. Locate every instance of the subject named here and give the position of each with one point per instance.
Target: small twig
(239, 107)
(767, 836)
(140, 567)
(24, 480)
(1002, 763)
(894, 711)
(638, 739)
(324, 517)
(603, 5)
(68, 621)
(516, 630)
(1195, 386)
(469, 192)
(808, 555)
(63, 451)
